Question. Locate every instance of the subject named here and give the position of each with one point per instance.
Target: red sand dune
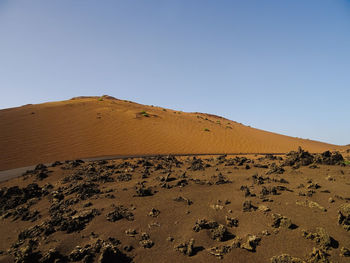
(90, 127)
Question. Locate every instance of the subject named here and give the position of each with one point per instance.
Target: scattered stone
(183, 199)
(170, 239)
(218, 233)
(285, 258)
(251, 243)
(345, 252)
(217, 207)
(248, 207)
(120, 212)
(263, 208)
(186, 248)
(281, 221)
(145, 241)
(320, 237)
(110, 253)
(142, 190)
(78, 221)
(246, 191)
(204, 224)
(154, 212)
(331, 200)
(231, 222)
(222, 180)
(26, 255)
(330, 178)
(265, 233)
(329, 158)
(318, 256)
(124, 177)
(313, 186)
(52, 256)
(196, 164)
(131, 232)
(299, 157)
(311, 204)
(344, 216)
(220, 251)
(274, 169)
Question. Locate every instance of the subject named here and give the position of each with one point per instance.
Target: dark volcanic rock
(344, 216)
(248, 207)
(14, 196)
(216, 232)
(142, 190)
(78, 221)
(53, 256)
(120, 212)
(320, 237)
(196, 164)
(281, 221)
(329, 158)
(251, 243)
(84, 190)
(110, 253)
(26, 255)
(145, 241)
(299, 157)
(285, 258)
(186, 248)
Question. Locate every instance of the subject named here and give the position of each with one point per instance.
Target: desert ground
(174, 187)
(254, 208)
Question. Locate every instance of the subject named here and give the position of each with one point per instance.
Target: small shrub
(144, 113)
(164, 109)
(347, 162)
(206, 129)
(100, 99)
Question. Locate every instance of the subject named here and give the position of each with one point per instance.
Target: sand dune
(91, 126)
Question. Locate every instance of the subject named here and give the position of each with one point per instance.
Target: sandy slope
(89, 127)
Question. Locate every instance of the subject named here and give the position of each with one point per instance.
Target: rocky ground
(262, 208)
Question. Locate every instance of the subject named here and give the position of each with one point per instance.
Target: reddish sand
(91, 127)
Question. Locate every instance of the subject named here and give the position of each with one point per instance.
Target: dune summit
(104, 126)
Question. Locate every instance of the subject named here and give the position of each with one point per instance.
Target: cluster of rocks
(119, 213)
(282, 221)
(344, 216)
(186, 248)
(11, 198)
(304, 158)
(321, 237)
(216, 231)
(146, 241)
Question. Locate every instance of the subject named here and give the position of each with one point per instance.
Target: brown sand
(88, 127)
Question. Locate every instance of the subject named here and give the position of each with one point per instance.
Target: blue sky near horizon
(281, 66)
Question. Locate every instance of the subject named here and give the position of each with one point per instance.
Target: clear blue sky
(282, 66)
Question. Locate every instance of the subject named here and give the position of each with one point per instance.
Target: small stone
(131, 232)
(154, 212)
(231, 222)
(263, 208)
(251, 243)
(248, 207)
(285, 258)
(345, 252)
(186, 248)
(170, 239)
(281, 221)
